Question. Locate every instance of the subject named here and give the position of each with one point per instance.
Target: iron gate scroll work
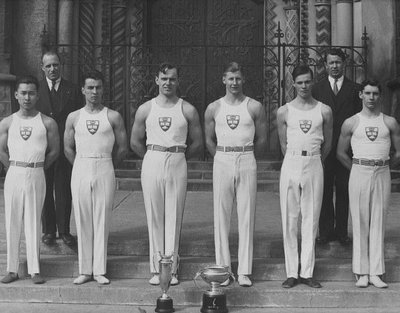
(129, 72)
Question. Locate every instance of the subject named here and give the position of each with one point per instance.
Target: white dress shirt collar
(339, 81)
(50, 83)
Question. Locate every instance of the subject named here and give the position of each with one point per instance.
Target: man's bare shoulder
(189, 111)
(213, 107)
(390, 121)
(283, 109)
(143, 110)
(6, 122)
(325, 109)
(350, 123)
(114, 116)
(254, 105)
(73, 115)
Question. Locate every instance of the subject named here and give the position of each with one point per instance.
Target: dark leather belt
(26, 164)
(302, 152)
(368, 162)
(176, 149)
(235, 149)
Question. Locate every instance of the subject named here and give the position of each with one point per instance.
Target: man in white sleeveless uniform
(305, 135)
(172, 128)
(91, 136)
(369, 133)
(235, 127)
(29, 143)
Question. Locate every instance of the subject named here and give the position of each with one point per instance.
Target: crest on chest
(92, 126)
(165, 123)
(25, 132)
(233, 121)
(372, 132)
(305, 125)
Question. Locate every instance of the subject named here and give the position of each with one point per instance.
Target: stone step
(137, 267)
(204, 247)
(268, 294)
(106, 308)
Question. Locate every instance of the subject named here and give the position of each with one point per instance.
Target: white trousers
(369, 194)
(234, 178)
(93, 190)
(164, 184)
(301, 188)
(24, 193)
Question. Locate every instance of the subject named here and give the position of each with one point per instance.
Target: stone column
(323, 30)
(291, 32)
(344, 22)
(65, 22)
(86, 34)
(118, 56)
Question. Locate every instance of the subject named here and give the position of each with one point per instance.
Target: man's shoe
(68, 239)
(9, 278)
(244, 281)
(174, 280)
(362, 281)
(81, 279)
(101, 279)
(345, 240)
(37, 279)
(49, 239)
(155, 280)
(289, 283)
(377, 282)
(310, 282)
(322, 240)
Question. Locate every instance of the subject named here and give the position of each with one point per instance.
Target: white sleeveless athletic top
(94, 134)
(305, 129)
(27, 139)
(371, 139)
(166, 127)
(234, 125)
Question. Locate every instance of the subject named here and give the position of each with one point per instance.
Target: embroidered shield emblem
(233, 121)
(25, 132)
(165, 123)
(92, 126)
(371, 132)
(305, 125)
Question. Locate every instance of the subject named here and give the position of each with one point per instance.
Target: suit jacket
(71, 99)
(345, 104)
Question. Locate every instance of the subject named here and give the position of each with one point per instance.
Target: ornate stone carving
(86, 34)
(323, 30)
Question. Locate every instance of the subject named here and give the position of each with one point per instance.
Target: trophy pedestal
(214, 303)
(165, 305)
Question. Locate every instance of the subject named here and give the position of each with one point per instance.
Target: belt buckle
(30, 165)
(229, 149)
(303, 153)
(175, 149)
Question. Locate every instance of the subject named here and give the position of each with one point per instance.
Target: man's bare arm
(327, 129)
(53, 141)
(260, 123)
(138, 134)
(4, 155)
(121, 140)
(394, 128)
(282, 127)
(209, 128)
(69, 137)
(344, 142)
(195, 135)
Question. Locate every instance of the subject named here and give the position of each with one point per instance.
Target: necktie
(53, 86)
(335, 87)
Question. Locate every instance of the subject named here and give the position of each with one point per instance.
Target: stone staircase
(200, 176)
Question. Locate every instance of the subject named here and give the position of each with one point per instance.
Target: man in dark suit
(58, 97)
(341, 94)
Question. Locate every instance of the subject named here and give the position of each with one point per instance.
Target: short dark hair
(51, 52)
(165, 66)
(233, 67)
(93, 74)
(371, 82)
(335, 51)
(27, 79)
(301, 69)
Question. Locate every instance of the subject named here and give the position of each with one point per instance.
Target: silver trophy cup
(165, 303)
(214, 300)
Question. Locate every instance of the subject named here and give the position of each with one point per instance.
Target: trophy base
(164, 305)
(214, 304)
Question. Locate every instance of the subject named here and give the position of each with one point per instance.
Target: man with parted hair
(29, 144)
(94, 142)
(165, 133)
(341, 95)
(235, 130)
(58, 98)
(370, 134)
(305, 136)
